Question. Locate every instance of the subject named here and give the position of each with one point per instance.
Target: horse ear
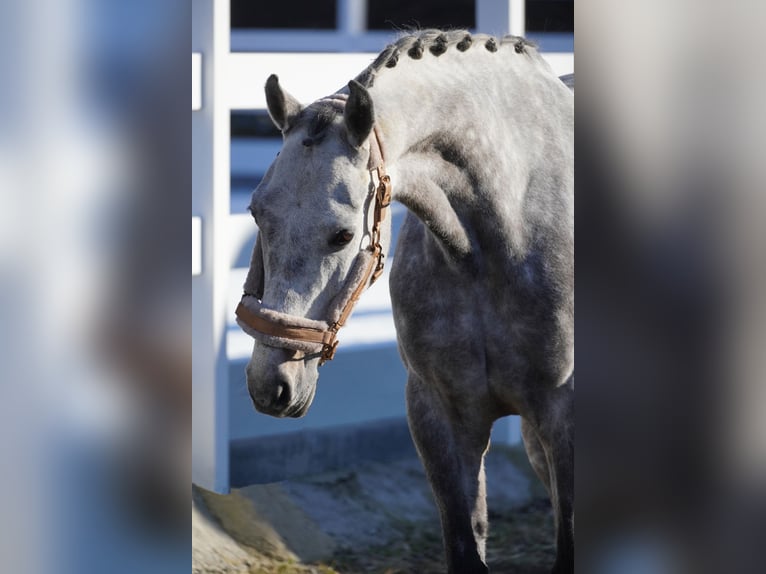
(283, 108)
(359, 114)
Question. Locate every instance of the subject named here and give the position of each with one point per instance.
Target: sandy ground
(376, 518)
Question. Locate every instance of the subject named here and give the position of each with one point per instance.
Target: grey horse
(474, 135)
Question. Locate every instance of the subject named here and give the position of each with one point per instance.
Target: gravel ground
(377, 518)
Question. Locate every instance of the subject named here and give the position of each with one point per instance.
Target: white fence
(223, 81)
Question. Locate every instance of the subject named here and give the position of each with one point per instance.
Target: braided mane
(437, 42)
(416, 45)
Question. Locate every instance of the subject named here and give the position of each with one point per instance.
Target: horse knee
(480, 528)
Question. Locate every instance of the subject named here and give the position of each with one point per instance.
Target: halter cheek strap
(298, 333)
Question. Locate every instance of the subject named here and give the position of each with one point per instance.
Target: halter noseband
(289, 331)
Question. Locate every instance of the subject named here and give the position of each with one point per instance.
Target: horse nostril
(272, 399)
(283, 395)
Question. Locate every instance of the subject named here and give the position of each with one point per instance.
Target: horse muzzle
(280, 386)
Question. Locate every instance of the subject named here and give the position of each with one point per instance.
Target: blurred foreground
(94, 287)
(671, 278)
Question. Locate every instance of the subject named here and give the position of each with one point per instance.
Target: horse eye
(343, 237)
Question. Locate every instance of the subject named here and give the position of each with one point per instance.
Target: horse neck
(462, 133)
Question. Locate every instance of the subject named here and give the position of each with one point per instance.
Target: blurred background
(96, 309)
(670, 282)
(95, 301)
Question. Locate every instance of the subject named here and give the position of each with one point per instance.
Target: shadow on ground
(374, 518)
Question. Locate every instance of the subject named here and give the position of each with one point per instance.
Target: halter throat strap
(292, 332)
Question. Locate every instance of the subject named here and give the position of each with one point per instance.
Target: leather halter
(289, 328)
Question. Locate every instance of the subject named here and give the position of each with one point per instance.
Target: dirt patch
(519, 543)
(377, 518)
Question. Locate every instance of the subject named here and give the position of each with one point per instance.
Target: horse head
(319, 242)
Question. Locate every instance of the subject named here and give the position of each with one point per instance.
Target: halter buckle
(378, 268)
(328, 352)
(384, 191)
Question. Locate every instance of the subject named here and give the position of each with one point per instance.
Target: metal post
(352, 17)
(210, 205)
(500, 17)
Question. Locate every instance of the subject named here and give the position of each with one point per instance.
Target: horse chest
(499, 324)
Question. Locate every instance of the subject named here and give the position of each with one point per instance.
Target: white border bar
(196, 246)
(196, 82)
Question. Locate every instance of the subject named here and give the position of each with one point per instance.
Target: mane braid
(465, 43)
(437, 42)
(416, 51)
(439, 46)
(383, 57)
(392, 61)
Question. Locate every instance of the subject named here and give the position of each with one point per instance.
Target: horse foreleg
(451, 447)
